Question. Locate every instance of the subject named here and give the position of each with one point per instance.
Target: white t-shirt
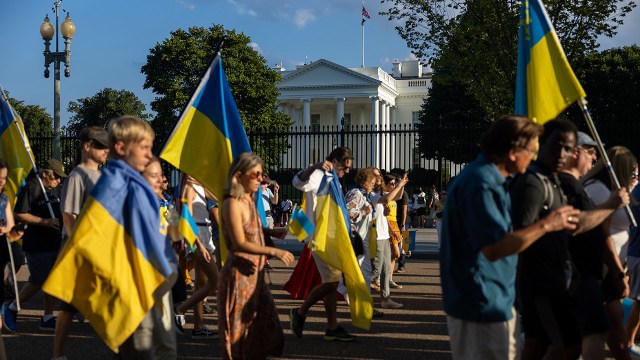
(382, 226)
(619, 222)
(267, 195)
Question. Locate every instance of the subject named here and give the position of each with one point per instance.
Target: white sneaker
(390, 304)
(634, 351)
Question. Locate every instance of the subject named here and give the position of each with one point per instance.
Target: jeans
(382, 266)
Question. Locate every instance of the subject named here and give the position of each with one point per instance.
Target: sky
(114, 37)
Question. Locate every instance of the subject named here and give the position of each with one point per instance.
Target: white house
(322, 93)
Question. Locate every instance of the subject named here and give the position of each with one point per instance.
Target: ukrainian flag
(332, 243)
(116, 264)
(299, 224)
(209, 134)
(187, 225)
(14, 148)
(545, 82)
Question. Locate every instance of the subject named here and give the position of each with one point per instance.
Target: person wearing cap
(41, 240)
(93, 151)
(589, 247)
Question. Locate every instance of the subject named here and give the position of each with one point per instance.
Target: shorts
(479, 340)
(633, 263)
(421, 211)
(40, 265)
(591, 315)
(551, 319)
(394, 232)
(327, 272)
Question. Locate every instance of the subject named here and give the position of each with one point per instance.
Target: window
(347, 121)
(315, 122)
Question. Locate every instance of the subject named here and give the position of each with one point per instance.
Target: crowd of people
(536, 247)
(536, 250)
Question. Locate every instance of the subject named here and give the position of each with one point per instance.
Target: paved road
(416, 332)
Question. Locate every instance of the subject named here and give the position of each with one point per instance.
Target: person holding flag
(310, 181)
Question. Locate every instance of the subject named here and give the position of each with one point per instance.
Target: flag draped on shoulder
(545, 82)
(209, 134)
(332, 243)
(299, 224)
(187, 225)
(116, 264)
(14, 148)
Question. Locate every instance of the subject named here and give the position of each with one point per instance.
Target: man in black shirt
(589, 248)
(544, 271)
(41, 240)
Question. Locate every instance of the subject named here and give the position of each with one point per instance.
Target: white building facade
(319, 95)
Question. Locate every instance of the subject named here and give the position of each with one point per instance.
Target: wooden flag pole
(592, 128)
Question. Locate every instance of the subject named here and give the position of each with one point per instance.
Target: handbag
(356, 243)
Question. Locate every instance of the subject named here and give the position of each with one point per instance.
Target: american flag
(365, 13)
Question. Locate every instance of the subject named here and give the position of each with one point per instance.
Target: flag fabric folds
(365, 14)
(14, 148)
(116, 264)
(545, 82)
(209, 134)
(332, 243)
(187, 225)
(300, 225)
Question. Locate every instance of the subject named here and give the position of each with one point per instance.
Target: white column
(375, 126)
(394, 125)
(384, 146)
(339, 112)
(306, 122)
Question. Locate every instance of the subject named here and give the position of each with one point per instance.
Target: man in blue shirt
(478, 255)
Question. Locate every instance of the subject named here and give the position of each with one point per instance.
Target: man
(94, 150)
(309, 180)
(269, 199)
(545, 272)
(478, 253)
(588, 248)
(41, 240)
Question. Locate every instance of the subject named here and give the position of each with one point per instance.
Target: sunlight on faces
(97, 152)
(585, 157)
(4, 172)
(522, 157)
(251, 180)
(137, 154)
(342, 168)
(153, 174)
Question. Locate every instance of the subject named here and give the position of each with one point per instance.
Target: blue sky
(113, 39)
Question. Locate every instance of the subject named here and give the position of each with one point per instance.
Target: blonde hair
(364, 176)
(242, 164)
(129, 129)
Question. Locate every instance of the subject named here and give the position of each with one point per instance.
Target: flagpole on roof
(582, 102)
(362, 33)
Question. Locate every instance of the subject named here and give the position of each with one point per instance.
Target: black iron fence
(393, 149)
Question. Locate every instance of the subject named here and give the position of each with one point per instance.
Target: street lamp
(68, 29)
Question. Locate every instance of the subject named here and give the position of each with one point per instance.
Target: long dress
(248, 321)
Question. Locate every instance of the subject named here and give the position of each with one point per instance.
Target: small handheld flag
(300, 226)
(187, 225)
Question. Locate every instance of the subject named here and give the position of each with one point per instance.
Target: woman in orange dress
(248, 320)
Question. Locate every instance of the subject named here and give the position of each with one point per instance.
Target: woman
(194, 196)
(360, 213)
(392, 182)
(598, 185)
(420, 206)
(247, 317)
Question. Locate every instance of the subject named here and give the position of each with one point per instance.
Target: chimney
(397, 68)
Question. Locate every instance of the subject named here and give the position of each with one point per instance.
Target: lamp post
(68, 29)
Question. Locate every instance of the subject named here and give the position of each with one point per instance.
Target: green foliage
(107, 104)
(473, 44)
(174, 69)
(611, 79)
(35, 118)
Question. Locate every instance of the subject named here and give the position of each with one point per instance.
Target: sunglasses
(255, 175)
(392, 183)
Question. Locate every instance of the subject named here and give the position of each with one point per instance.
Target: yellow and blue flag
(187, 225)
(116, 264)
(299, 224)
(14, 148)
(209, 134)
(545, 82)
(332, 243)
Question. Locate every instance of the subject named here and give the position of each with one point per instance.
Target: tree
(474, 45)
(37, 123)
(107, 104)
(174, 69)
(611, 79)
